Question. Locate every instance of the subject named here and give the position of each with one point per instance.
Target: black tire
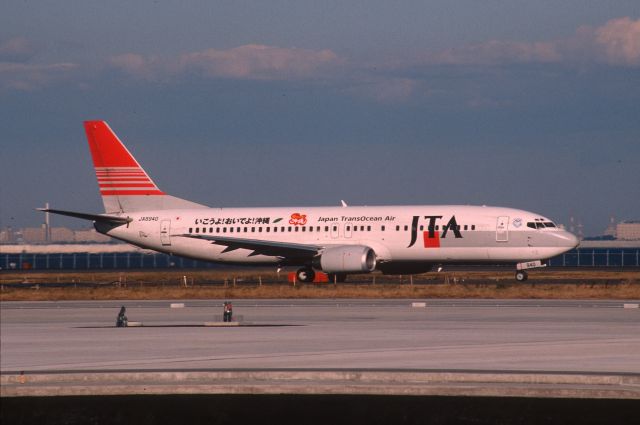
(521, 276)
(305, 275)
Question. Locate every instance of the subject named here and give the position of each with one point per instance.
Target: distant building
(7, 235)
(38, 235)
(33, 234)
(62, 234)
(611, 228)
(628, 230)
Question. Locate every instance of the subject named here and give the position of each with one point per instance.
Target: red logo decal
(433, 242)
(298, 219)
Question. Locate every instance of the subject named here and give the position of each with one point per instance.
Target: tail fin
(124, 185)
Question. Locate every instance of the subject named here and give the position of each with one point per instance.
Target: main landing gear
(305, 275)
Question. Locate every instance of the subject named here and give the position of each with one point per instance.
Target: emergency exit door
(502, 229)
(165, 229)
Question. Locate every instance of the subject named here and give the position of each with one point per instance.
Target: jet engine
(346, 259)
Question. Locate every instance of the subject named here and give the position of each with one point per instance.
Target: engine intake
(346, 259)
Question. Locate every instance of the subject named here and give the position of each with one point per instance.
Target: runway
(489, 337)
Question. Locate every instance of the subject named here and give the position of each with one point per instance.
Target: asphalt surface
(589, 336)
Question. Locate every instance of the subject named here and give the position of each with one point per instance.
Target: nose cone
(570, 240)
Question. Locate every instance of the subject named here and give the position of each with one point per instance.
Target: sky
(531, 105)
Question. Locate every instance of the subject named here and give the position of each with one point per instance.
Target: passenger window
(297, 229)
(260, 229)
(311, 228)
(197, 230)
(397, 228)
(465, 227)
(224, 230)
(210, 229)
(348, 228)
(289, 228)
(190, 229)
(275, 229)
(230, 229)
(326, 228)
(368, 228)
(217, 230)
(245, 230)
(406, 227)
(268, 229)
(304, 228)
(473, 227)
(335, 228)
(253, 229)
(318, 228)
(382, 228)
(355, 228)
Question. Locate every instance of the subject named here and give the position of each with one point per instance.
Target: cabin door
(502, 229)
(165, 229)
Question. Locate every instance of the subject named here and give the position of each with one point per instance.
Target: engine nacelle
(346, 259)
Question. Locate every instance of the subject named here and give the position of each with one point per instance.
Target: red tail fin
(124, 185)
(117, 170)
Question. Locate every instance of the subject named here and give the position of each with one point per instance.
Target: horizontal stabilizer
(111, 219)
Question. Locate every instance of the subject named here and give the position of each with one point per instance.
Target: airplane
(336, 240)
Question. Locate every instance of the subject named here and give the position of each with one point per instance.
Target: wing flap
(261, 247)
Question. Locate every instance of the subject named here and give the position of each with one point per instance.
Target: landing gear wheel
(337, 277)
(305, 275)
(521, 275)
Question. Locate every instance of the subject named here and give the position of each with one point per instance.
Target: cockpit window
(540, 225)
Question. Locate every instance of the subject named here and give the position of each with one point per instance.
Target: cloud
(255, 61)
(17, 49)
(385, 90)
(139, 66)
(495, 51)
(617, 42)
(18, 73)
(620, 41)
(27, 77)
(252, 61)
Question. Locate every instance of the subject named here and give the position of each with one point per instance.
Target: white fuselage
(435, 234)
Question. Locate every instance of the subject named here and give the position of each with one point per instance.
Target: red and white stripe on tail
(124, 185)
(117, 170)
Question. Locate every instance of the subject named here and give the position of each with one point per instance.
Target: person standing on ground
(122, 321)
(228, 312)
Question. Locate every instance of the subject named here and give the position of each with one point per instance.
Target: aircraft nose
(572, 240)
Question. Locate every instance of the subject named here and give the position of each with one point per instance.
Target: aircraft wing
(260, 247)
(111, 219)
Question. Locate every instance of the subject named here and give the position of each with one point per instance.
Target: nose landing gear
(521, 274)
